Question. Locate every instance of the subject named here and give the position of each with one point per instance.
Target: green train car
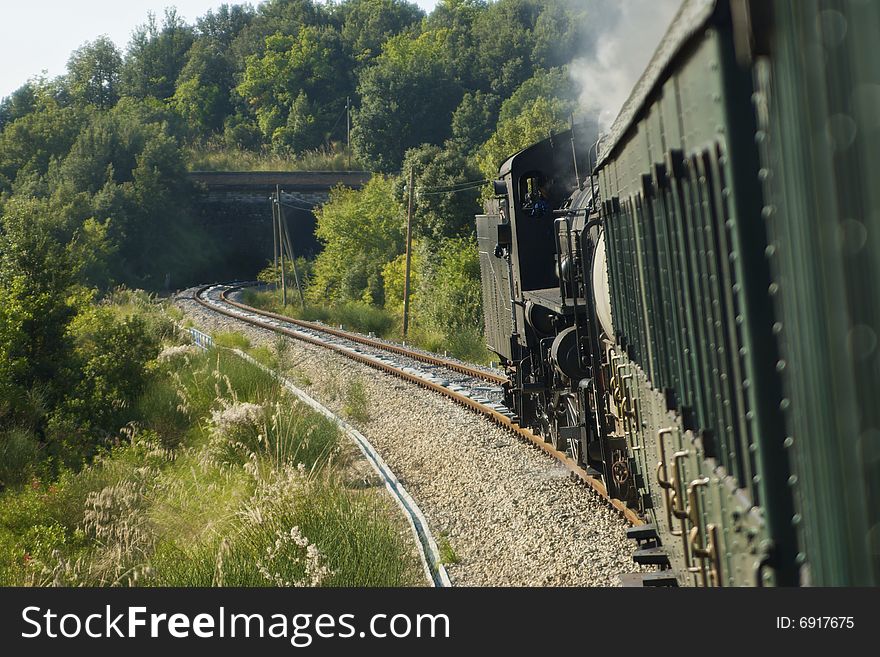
(699, 322)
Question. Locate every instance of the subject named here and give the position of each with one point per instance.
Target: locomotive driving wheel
(566, 417)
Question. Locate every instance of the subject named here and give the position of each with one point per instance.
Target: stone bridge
(234, 206)
(312, 187)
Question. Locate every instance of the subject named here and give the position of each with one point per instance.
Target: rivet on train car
(763, 174)
(777, 328)
(773, 289)
(789, 442)
(781, 365)
(770, 251)
(784, 404)
(768, 210)
(796, 519)
(801, 558)
(792, 480)
(760, 137)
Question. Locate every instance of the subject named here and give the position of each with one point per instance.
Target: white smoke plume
(625, 42)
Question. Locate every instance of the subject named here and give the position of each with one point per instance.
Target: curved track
(436, 377)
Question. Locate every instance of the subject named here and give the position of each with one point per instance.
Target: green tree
(554, 85)
(294, 69)
(110, 356)
(407, 99)
(474, 120)
(132, 171)
(367, 24)
(537, 120)
(223, 25)
(29, 144)
(204, 87)
(156, 56)
(456, 18)
(362, 231)
(93, 72)
(451, 296)
(446, 192)
(19, 103)
(286, 17)
(36, 274)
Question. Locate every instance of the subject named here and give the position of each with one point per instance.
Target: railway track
(474, 388)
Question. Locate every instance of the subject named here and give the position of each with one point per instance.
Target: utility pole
(302, 299)
(409, 218)
(274, 238)
(281, 244)
(348, 128)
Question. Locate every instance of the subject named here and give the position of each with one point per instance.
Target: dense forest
(93, 191)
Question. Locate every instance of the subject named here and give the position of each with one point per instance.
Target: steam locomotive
(691, 308)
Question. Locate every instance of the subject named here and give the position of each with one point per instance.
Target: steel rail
(576, 470)
(455, 366)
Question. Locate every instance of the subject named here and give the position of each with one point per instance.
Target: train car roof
(692, 16)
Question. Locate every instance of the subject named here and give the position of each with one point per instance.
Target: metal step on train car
(696, 320)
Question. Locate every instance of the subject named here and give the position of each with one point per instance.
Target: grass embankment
(213, 157)
(226, 481)
(467, 345)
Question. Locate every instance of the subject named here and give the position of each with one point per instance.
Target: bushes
(19, 451)
(251, 494)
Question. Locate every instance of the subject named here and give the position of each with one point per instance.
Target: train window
(534, 193)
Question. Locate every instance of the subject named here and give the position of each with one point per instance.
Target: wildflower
(169, 353)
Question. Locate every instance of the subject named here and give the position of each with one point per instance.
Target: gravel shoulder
(503, 513)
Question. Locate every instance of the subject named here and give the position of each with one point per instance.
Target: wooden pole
(409, 218)
(348, 128)
(274, 240)
(302, 299)
(281, 244)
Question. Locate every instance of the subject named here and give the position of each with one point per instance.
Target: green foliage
(451, 295)
(147, 514)
(156, 55)
(536, 121)
(447, 189)
(35, 278)
(278, 85)
(28, 144)
(448, 555)
(110, 357)
(407, 98)
(93, 73)
(202, 95)
(474, 120)
(133, 171)
(19, 450)
(357, 405)
(232, 340)
(554, 85)
(361, 231)
(19, 103)
(368, 24)
(394, 277)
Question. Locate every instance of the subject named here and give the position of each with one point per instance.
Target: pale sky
(38, 35)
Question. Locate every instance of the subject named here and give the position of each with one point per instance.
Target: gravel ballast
(504, 513)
